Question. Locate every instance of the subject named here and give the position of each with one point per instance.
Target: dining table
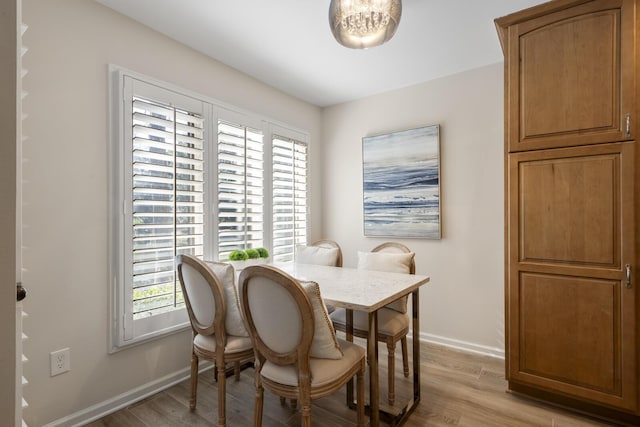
(368, 291)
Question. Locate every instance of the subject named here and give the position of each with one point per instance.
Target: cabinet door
(572, 317)
(571, 77)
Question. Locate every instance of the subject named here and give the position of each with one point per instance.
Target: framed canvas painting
(401, 183)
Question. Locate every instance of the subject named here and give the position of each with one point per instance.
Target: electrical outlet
(60, 361)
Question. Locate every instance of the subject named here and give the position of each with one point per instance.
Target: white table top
(362, 290)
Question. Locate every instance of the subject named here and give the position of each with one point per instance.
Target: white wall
(71, 43)
(463, 303)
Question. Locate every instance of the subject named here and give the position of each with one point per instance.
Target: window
(158, 208)
(190, 176)
(240, 188)
(289, 196)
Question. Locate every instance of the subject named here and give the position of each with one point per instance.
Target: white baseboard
(125, 399)
(463, 345)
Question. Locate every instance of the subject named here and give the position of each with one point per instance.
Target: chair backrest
(330, 244)
(203, 296)
(279, 315)
(399, 305)
(393, 247)
(322, 252)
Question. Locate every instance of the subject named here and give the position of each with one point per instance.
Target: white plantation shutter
(167, 199)
(290, 212)
(240, 188)
(158, 204)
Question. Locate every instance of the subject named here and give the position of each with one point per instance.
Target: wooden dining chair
(297, 354)
(213, 305)
(393, 320)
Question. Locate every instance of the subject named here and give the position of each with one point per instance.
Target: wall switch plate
(60, 361)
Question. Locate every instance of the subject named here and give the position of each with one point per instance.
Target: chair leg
(391, 348)
(194, 381)
(236, 370)
(294, 402)
(306, 416)
(405, 357)
(257, 410)
(305, 411)
(222, 394)
(360, 396)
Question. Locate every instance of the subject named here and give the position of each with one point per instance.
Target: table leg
(401, 418)
(349, 333)
(415, 312)
(374, 386)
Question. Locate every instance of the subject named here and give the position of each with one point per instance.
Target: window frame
(120, 217)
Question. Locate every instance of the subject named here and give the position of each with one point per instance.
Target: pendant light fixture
(360, 24)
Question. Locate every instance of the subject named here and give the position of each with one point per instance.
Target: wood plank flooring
(458, 389)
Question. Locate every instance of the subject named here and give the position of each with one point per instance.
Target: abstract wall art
(401, 183)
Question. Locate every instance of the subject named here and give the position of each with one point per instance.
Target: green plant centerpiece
(264, 253)
(241, 259)
(238, 255)
(252, 253)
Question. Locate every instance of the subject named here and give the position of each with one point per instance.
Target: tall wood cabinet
(572, 204)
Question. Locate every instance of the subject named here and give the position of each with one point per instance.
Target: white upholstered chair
(297, 355)
(214, 311)
(393, 320)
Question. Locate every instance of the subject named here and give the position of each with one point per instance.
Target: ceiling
(288, 44)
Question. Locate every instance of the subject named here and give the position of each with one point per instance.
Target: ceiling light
(360, 24)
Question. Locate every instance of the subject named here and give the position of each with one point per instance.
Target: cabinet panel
(572, 78)
(566, 203)
(572, 321)
(570, 331)
(589, 46)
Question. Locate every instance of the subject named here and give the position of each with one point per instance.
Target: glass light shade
(359, 24)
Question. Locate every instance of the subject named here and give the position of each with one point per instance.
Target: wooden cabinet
(571, 76)
(572, 193)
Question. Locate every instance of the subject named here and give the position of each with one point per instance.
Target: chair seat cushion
(234, 344)
(390, 322)
(323, 371)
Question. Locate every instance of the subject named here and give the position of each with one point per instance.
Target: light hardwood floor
(458, 389)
